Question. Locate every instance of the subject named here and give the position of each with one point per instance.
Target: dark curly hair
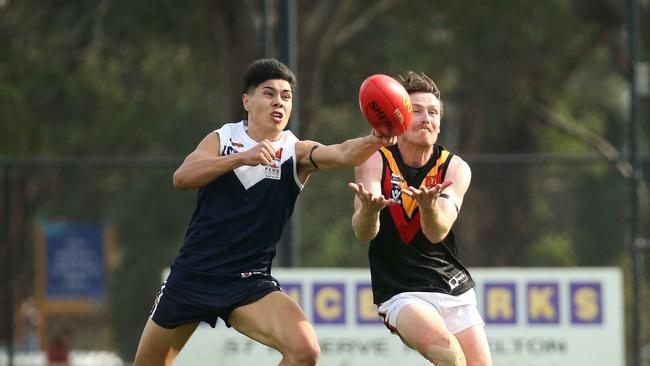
(265, 69)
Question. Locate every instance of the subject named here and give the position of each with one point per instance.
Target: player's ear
(245, 101)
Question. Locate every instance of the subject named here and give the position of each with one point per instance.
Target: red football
(385, 104)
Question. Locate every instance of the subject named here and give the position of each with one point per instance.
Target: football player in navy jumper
(248, 175)
(407, 199)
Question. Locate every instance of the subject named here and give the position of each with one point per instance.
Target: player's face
(425, 123)
(270, 104)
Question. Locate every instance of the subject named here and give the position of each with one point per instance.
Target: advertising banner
(71, 261)
(534, 317)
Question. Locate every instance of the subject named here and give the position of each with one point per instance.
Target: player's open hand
(426, 196)
(369, 201)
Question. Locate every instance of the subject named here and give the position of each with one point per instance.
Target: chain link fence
(520, 211)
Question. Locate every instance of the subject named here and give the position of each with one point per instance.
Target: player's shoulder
(231, 130)
(373, 165)
(459, 169)
(303, 147)
(290, 137)
(459, 161)
(232, 127)
(454, 159)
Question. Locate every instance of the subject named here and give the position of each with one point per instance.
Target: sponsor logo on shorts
(252, 273)
(457, 280)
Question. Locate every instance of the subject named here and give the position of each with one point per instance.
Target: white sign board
(534, 317)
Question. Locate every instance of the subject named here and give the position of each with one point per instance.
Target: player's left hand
(426, 196)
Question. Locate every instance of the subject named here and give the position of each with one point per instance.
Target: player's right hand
(381, 139)
(263, 153)
(369, 201)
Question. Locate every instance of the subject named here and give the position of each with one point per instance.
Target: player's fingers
(445, 184)
(362, 193)
(411, 191)
(263, 158)
(354, 187)
(267, 149)
(267, 144)
(381, 201)
(366, 193)
(377, 199)
(387, 202)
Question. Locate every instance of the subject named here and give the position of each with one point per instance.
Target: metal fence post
(636, 253)
(289, 55)
(8, 265)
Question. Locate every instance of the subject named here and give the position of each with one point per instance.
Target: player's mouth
(277, 116)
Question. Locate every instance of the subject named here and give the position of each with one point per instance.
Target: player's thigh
(420, 325)
(160, 346)
(473, 341)
(275, 320)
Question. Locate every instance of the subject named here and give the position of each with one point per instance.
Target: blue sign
(75, 262)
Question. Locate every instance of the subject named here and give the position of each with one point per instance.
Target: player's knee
(442, 351)
(443, 356)
(141, 360)
(306, 353)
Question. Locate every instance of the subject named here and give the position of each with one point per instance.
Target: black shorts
(175, 306)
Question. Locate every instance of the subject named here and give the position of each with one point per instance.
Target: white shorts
(458, 312)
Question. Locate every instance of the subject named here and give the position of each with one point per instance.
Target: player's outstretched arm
(314, 156)
(206, 163)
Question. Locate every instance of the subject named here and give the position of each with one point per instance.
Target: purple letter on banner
(586, 303)
(543, 304)
(500, 303)
(329, 303)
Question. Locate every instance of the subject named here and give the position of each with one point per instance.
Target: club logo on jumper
(272, 171)
(429, 181)
(232, 148)
(396, 188)
(457, 280)
(236, 144)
